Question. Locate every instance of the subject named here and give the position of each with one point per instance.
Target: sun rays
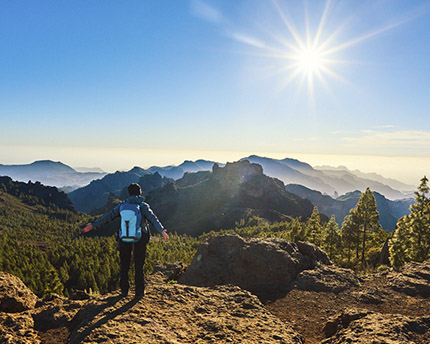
(309, 57)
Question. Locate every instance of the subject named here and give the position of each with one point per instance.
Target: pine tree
(314, 230)
(350, 236)
(332, 238)
(297, 230)
(420, 223)
(399, 243)
(411, 239)
(368, 219)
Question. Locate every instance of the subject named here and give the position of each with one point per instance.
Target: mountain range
(332, 182)
(53, 173)
(389, 211)
(320, 185)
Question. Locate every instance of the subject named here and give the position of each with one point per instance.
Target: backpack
(131, 219)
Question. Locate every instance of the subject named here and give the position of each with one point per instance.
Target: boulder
(362, 326)
(413, 279)
(327, 278)
(167, 272)
(262, 266)
(14, 295)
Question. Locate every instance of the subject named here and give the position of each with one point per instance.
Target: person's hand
(165, 235)
(87, 228)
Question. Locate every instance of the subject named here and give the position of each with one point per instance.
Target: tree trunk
(363, 262)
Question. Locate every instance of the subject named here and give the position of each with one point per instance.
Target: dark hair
(134, 189)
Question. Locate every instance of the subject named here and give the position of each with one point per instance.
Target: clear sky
(116, 84)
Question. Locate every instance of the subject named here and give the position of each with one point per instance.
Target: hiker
(133, 235)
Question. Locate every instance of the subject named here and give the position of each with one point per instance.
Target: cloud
(394, 139)
(306, 139)
(244, 38)
(204, 11)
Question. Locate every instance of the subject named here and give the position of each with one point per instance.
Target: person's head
(134, 189)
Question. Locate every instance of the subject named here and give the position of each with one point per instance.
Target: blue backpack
(131, 219)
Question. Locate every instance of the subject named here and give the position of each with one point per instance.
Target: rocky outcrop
(183, 314)
(413, 279)
(327, 278)
(14, 295)
(168, 313)
(262, 266)
(362, 326)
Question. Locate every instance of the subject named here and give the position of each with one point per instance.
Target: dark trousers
(139, 253)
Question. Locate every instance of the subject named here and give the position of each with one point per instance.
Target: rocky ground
(320, 303)
(371, 312)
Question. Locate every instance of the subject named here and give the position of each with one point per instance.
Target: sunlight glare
(310, 60)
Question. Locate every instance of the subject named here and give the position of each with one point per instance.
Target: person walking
(133, 235)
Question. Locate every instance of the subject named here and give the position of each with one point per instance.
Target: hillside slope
(36, 194)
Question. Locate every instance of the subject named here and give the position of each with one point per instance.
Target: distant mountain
(50, 173)
(332, 182)
(292, 171)
(223, 197)
(148, 183)
(89, 169)
(395, 184)
(177, 172)
(389, 211)
(96, 194)
(36, 194)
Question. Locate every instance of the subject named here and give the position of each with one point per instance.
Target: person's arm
(149, 214)
(108, 217)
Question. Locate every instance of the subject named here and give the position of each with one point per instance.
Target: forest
(42, 243)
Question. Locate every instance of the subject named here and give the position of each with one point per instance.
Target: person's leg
(139, 260)
(125, 257)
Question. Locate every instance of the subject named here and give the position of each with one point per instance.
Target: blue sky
(117, 84)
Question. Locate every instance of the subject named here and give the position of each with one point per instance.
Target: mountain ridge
(48, 172)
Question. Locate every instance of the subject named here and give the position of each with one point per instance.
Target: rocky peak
(233, 174)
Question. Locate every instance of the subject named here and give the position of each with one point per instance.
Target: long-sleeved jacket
(145, 210)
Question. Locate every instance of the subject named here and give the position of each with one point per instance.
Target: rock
(313, 252)
(167, 271)
(262, 266)
(327, 278)
(182, 314)
(361, 326)
(14, 295)
(413, 279)
(371, 297)
(80, 295)
(17, 328)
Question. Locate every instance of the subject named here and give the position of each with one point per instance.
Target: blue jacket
(145, 210)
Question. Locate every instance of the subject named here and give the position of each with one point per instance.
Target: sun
(310, 60)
